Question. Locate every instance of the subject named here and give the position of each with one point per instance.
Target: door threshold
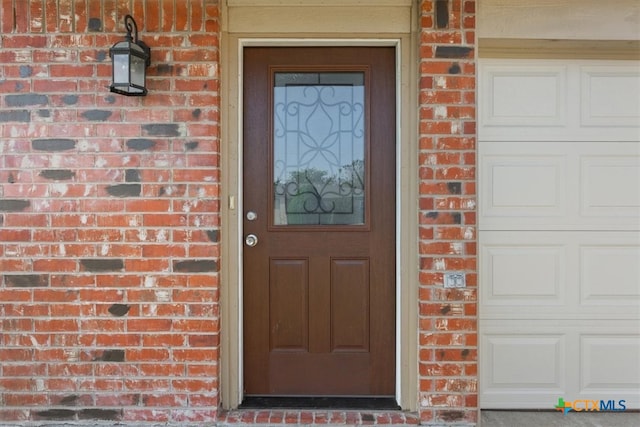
(319, 402)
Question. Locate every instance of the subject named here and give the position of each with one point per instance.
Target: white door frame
(231, 375)
(319, 23)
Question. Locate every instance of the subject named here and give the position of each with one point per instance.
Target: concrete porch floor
(556, 419)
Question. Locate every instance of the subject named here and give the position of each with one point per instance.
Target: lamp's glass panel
(319, 148)
(137, 71)
(120, 68)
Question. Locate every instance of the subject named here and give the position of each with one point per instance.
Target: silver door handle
(251, 240)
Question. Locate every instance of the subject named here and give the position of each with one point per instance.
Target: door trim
(230, 373)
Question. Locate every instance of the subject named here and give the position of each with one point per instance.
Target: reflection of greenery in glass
(312, 196)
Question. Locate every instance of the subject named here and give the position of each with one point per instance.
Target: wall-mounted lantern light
(131, 58)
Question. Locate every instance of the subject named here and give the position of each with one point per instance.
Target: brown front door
(319, 221)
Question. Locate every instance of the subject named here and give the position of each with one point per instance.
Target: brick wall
(447, 217)
(109, 214)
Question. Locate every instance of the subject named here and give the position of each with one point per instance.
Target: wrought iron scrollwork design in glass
(319, 154)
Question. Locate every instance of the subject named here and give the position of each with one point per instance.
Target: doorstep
(309, 417)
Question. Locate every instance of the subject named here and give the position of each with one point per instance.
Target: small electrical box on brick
(454, 280)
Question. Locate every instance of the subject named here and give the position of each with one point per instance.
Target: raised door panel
(610, 96)
(289, 304)
(610, 185)
(530, 185)
(350, 305)
(610, 273)
(610, 363)
(519, 95)
(525, 360)
(524, 273)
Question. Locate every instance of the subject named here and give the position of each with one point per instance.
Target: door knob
(251, 240)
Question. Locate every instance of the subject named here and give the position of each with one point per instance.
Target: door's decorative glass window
(319, 148)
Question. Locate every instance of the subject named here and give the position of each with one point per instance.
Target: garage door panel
(530, 185)
(540, 93)
(609, 363)
(525, 361)
(610, 96)
(520, 273)
(609, 274)
(610, 186)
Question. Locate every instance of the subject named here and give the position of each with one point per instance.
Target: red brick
(148, 325)
(181, 15)
(115, 339)
(6, 19)
(157, 205)
(162, 369)
(440, 97)
(192, 385)
(168, 15)
(56, 325)
(151, 415)
(57, 265)
(426, 22)
(440, 37)
(158, 264)
(68, 70)
(23, 399)
(197, 16)
(208, 370)
(194, 355)
(157, 399)
(167, 220)
(456, 143)
(138, 11)
(262, 417)
(152, 16)
(147, 354)
(8, 235)
(146, 384)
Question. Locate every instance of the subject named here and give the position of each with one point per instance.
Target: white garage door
(559, 232)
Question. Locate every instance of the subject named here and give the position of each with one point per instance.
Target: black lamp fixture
(130, 59)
